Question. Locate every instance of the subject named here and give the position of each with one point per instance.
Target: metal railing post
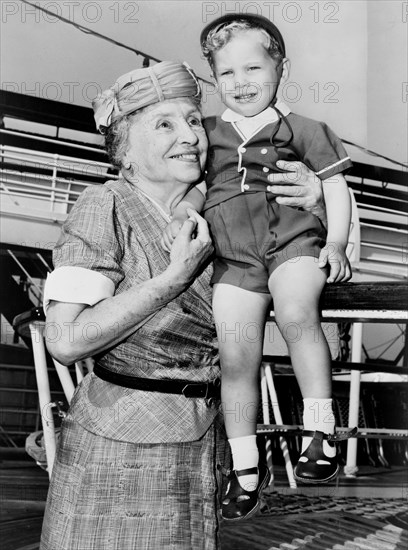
(44, 392)
(351, 468)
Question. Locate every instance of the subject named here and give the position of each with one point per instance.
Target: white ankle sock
(318, 415)
(245, 455)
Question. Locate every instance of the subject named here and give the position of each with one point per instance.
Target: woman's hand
(298, 187)
(191, 247)
(334, 255)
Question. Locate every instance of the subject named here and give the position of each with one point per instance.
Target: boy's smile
(244, 97)
(246, 75)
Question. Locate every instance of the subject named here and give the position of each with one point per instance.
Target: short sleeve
(87, 257)
(76, 285)
(323, 151)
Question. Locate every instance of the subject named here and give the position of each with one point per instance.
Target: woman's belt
(207, 390)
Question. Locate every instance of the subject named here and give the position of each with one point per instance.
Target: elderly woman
(136, 464)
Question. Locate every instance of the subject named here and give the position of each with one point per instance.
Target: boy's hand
(334, 255)
(173, 228)
(170, 233)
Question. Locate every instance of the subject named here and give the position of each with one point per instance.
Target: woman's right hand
(191, 247)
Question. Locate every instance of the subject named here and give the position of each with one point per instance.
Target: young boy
(264, 249)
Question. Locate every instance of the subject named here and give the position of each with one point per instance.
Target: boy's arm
(193, 200)
(338, 208)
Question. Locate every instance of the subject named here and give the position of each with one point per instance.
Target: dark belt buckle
(213, 392)
(209, 391)
(198, 389)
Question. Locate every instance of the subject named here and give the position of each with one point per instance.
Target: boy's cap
(258, 20)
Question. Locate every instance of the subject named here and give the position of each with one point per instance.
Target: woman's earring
(130, 167)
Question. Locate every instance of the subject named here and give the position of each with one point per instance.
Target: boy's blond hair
(218, 37)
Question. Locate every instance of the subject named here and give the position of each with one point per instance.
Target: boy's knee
(234, 368)
(239, 366)
(296, 313)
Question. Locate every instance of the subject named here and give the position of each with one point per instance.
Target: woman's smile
(187, 157)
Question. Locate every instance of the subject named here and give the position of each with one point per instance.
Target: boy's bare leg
(240, 318)
(296, 287)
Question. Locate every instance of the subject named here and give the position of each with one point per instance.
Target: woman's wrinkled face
(167, 143)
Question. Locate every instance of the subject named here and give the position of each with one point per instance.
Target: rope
(146, 57)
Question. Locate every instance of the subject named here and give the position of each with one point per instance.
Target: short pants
(253, 235)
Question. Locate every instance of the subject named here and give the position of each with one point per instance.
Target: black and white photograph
(204, 264)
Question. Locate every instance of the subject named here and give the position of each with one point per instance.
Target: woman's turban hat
(143, 87)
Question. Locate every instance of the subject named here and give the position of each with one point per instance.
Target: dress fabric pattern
(134, 469)
(113, 495)
(115, 229)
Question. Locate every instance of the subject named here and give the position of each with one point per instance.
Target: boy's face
(246, 75)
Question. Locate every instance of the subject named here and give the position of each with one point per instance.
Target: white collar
(268, 115)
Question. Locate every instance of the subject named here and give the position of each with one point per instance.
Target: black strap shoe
(318, 467)
(239, 504)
